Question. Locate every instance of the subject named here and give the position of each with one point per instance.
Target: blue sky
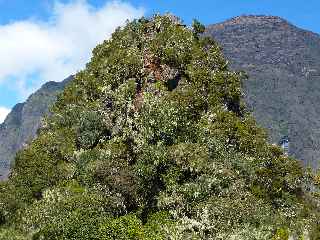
(304, 14)
(53, 46)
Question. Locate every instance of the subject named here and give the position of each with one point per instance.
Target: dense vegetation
(152, 141)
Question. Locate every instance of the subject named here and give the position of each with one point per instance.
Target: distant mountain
(283, 89)
(21, 124)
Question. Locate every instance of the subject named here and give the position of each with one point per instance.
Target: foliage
(152, 141)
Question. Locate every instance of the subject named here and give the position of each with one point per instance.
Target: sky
(48, 40)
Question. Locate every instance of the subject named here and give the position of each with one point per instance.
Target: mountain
(152, 140)
(283, 64)
(22, 123)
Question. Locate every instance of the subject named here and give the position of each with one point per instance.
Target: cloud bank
(33, 52)
(3, 113)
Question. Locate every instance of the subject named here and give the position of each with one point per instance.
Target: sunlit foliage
(152, 141)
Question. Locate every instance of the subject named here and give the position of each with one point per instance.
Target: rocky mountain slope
(283, 64)
(23, 121)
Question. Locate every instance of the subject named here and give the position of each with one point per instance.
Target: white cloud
(3, 113)
(52, 50)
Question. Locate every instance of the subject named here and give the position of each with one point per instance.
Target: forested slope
(153, 141)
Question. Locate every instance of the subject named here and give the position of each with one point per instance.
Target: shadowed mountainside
(283, 65)
(22, 123)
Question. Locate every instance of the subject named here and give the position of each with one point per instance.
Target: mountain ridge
(281, 61)
(22, 123)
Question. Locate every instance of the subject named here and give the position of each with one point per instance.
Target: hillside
(153, 141)
(283, 65)
(22, 123)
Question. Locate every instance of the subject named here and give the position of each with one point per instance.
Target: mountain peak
(258, 18)
(284, 72)
(253, 19)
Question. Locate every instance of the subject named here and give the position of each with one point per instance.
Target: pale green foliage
(11, 234)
